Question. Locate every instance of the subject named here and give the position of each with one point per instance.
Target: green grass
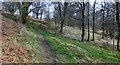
(70, 51)
(96, 54)
(67, 50)
(33, 41)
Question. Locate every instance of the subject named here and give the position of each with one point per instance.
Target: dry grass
(12, 52)
(75, 33)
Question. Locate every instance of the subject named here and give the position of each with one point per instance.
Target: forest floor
(69, 50)
(39, 45)
(17, 48)
(68, 32)
(11, 51)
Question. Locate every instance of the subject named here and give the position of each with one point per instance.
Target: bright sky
(92, 1)
(99, 1)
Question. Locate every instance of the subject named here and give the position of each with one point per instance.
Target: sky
(99, 1)
(92, 1)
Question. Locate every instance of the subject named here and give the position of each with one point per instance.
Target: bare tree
(62, 17)
(24, 7)
(102, 10)
(118, 23)
(83, 21)
(81, 6)
(94, 20)
(88, 21)
(38, 6)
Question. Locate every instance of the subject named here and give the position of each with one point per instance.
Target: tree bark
(94, 21)
(118, 23)
(88, 23)
(64, 14)
(83, 23)
(24, 6)
(41, 14)
(37, 14)
(103, 30)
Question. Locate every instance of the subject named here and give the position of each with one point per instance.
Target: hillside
(40, 45)
(69, 50)
(11, 50)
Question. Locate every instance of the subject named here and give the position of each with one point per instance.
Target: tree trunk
(23, 18)
(113, 42)
(83, 25)
(24, 6)
(41, 15)
(103, 30)
(61, 27)
(64, 14)
(37, 14)
(118, 38)
(94, 21)
(88, 24)
(118, 23)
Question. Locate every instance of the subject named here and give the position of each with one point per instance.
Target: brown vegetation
(12, 52)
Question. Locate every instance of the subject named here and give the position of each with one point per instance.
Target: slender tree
(88, 21)
(62, 17)
(94, 20)
(102, 10)
(118, 23)
(83, 21)
(81, 6)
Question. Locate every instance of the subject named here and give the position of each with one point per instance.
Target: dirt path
(49, 55)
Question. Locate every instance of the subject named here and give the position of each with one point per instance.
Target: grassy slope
(66, 49)
(32, 41)
(29, 40)
(69, 50)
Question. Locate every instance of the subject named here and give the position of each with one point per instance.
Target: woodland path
(48, 53)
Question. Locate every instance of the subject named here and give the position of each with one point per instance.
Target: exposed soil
(48, 53)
